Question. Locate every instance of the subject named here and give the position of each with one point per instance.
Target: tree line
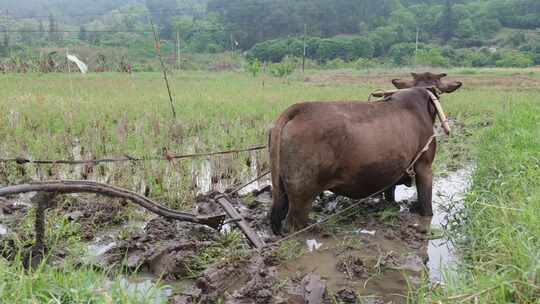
(273, 29)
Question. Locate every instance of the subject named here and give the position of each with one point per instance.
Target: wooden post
(8, 42)
(178, 49)
(416, 45)
(43, 201)
(304, 53)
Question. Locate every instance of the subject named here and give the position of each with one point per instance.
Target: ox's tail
(280, 201)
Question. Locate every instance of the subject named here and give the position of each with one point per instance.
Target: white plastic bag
(82, 66)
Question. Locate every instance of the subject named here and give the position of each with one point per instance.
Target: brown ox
(353, 149)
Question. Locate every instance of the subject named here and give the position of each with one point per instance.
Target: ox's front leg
(424, 185)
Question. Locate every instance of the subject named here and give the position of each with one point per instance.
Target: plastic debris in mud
(313, 245)
(3, 230)
(364, 231)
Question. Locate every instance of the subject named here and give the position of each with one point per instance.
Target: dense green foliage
(462, 23)
(348, 30)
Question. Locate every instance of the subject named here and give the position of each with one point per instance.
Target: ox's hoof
(422, 211)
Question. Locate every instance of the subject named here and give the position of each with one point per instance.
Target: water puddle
(23, 199)
(105, 240)
(448, 195)
(142, 287)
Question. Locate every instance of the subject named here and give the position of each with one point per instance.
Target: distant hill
(63, 8)
(448, 30)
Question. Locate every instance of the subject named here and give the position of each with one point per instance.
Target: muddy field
(371, 255)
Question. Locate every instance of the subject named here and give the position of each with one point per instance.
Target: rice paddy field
(495, 233)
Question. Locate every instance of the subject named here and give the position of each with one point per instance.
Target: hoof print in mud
(347, 296)
(353, 267)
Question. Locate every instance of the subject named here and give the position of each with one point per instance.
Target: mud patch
(255, 281)
(166, 249)
(384, 249)
(374, 254)
(371, 265)
(94, 213)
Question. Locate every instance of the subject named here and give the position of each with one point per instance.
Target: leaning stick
(163, 68)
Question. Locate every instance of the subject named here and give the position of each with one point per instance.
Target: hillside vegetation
(450, 32)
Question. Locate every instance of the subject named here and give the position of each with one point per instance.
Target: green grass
(65, 284)
(116, 114)
(502, 229)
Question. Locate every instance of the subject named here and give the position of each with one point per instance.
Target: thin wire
(127, 158)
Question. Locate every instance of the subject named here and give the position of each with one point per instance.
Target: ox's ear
(451, 87)
(442, 75)
(402, 84)
(414, 75)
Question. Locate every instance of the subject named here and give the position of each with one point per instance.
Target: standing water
(448, 195)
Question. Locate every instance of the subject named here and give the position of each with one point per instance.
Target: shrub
(337, 63)
(271, 50)
(283, 68)
(365, 63)
(478, 59)
(347, 48)
(254, 67)
(432, 57)
(402, 53)
(535, 50)
(515, 59)
(329, 49)
(362, 48)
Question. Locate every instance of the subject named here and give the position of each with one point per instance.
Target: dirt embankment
(515, 81)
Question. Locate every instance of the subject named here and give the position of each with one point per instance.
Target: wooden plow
(48, 190)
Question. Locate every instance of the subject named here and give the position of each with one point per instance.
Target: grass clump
(502, 228)
(66, 283)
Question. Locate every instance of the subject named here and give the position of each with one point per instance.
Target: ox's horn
(440, 112)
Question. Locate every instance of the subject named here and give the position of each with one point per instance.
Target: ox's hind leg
(389, 194)
(300, 203)
(299, 209)
(280, 207)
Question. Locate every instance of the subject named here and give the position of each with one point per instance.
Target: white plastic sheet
(82, 66)
(313, 245)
